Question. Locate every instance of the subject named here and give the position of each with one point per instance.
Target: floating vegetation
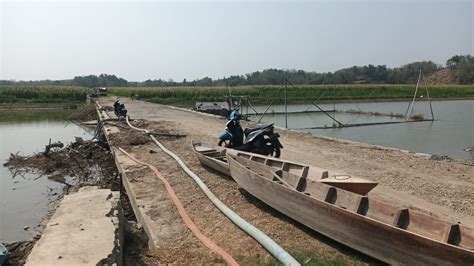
(418, 117)
(352, 111)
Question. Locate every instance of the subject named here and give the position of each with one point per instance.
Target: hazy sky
(151, 39)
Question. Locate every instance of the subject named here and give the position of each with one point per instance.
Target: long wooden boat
(216, 159)
(389, 233)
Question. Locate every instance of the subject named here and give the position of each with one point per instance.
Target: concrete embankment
(86, 229)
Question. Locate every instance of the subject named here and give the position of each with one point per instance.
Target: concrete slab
(85, 230)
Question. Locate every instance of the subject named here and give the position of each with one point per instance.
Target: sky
(142, 40)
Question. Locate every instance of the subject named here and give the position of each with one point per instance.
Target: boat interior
(306, 171)
(217, 153)
(293, 176)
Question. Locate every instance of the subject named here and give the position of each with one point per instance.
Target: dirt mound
(443, 77)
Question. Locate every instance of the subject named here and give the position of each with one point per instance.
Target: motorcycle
(119, 109)
(261, 140)
(233, 133)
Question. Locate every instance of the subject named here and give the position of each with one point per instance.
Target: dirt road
(441, 188)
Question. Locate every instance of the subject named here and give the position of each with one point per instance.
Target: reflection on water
(20, 116)
(24, 199)
(450, 134)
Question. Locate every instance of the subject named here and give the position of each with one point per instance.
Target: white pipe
(276, 250)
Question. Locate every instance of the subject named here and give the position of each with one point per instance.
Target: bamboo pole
(286, 107)
(412, 103)
(428, 95)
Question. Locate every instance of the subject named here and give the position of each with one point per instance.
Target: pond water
(24, 199)
(450, 134)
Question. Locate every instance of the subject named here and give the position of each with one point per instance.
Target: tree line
(463, 65)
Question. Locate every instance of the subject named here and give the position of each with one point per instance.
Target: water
(24, 200)
(450, 134)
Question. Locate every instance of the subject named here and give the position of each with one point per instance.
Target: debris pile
(79, 164)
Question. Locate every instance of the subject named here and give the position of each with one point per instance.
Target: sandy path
(442, 188)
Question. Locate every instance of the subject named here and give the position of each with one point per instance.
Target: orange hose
(182, 212)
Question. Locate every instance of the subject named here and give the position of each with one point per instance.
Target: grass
(42, 94)
(309, 259)
(265, 94)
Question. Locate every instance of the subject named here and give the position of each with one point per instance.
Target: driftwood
(48, 147)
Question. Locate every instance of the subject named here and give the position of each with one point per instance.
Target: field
(45, 95)
(298, 94)
(42, 94)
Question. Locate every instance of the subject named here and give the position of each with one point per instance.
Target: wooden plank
(466, 237)
(277, 176)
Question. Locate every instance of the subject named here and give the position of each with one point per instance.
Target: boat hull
(379, 240)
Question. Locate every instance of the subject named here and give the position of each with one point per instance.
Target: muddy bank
(82, 163)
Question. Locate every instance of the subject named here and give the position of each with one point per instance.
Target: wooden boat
(215, 158)
(389, 233)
